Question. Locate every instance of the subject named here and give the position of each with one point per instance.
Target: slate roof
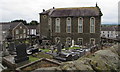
(75, 12)
(5, 26)
(110, 28)
(9, 25)
(31, 26)
(117, 28)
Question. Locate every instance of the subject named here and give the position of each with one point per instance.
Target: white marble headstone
(73, 43)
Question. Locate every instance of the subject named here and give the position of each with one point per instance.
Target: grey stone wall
(86, 35)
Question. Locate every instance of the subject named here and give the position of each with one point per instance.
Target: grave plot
(42, 63)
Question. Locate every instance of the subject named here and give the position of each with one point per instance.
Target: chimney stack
(53, 7)
(43, 10)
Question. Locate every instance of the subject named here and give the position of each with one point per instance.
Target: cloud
(30, 9)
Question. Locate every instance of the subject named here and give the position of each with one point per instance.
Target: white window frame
(57, 25)
(92, 25)
(17, 36)
(24, 30)
(79, 40)
(68, 25)
(16, 31)
(21, 36)
(20, 27)
(57, 39)
(91, 39)
(24, 35)
(80, 25)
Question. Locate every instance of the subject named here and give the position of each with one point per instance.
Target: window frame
(57, 25)
(68, 24)
(91, 41)
(80, 25)
(17, 31)
(56, 39)
(92, 25)
(79, 40)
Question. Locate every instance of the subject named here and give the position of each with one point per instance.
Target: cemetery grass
(45, 50)
(43, 55)
(73, 48)
(38, 56)
(32, 59)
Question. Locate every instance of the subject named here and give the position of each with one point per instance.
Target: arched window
(80, 25)
(68, 40)
(92, 40)
(80, 41)
(57, 25)
(92, 25)
(50, 23)
(57, 39)
(68, 25)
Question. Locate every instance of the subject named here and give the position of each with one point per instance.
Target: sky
(29, 9)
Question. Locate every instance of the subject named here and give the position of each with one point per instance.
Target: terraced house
(80, 24)
(16, 29)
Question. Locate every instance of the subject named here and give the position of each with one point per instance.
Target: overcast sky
(30, 9)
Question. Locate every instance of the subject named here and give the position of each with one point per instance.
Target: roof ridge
(75, 7)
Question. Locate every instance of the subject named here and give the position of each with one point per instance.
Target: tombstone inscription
(21, 53)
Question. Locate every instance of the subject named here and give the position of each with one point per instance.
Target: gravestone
(73, 43)
(21, 53)
(59, 47)
(11, 47)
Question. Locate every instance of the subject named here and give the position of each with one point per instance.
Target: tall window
(24, 35)
(57, 25)
(80, 41)
(17, 31)
(24, 30)
(21, 36)
(80, 25)
(68, 40)
(50, 23)
(92, 25)
(68, 25)
(57, 39)
(92, 41)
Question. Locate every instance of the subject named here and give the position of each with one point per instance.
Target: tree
(23, 21)
(33, 22)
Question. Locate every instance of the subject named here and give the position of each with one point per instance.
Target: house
(4, 28)
(32, 29)
(109, 32)
(80, 24)
(17, 29)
